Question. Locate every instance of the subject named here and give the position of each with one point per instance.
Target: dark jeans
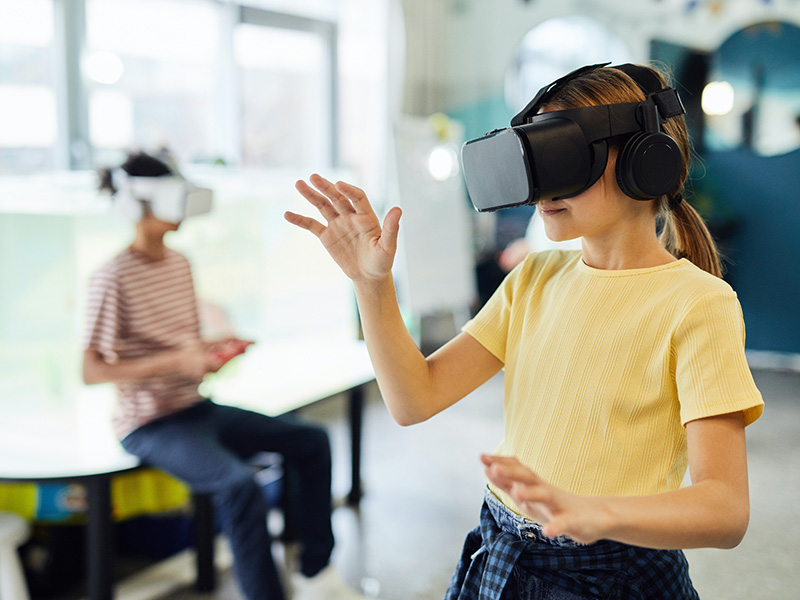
(208, 447)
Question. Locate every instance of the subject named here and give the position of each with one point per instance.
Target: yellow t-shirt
(603, 369)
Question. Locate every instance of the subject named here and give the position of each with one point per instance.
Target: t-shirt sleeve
(103, 315)
(490, 326)
(711, 370)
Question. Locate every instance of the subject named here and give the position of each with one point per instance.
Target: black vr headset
(560, 154)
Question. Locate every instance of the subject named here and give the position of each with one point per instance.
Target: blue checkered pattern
(506, 557)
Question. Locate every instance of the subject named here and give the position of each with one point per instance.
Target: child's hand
(194, 362)
(224, 350)
(353, 237)
(581, 518)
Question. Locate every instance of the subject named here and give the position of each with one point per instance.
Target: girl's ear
(613, 154)
(610, 174)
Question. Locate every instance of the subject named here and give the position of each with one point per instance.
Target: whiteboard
(435, 265)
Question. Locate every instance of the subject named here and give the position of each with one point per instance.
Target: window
(287, 70)
(363, 93)
(554, 48)
(209, 79)
(28, 123)
(151, 75)
(286, 115)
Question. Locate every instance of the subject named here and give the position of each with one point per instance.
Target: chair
(14, 530)
(271, 473)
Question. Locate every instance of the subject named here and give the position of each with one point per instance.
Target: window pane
(151, 76)
(26, 24)
(363, 92)
(285, 96)
(555, 47)
(315, 9)
(28, 119)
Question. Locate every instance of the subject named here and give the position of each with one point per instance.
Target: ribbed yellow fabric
(603, 369)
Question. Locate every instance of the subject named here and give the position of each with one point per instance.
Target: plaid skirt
(507, 556)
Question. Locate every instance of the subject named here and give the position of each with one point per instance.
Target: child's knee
(241, 494)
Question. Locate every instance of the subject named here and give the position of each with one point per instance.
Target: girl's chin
(560, 236)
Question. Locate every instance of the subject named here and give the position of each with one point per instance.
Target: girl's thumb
(391, 227)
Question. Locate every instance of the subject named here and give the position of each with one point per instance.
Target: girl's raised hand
(353, 235)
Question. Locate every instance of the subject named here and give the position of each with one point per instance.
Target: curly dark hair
(137, 164)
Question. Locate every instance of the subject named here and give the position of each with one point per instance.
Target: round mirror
(556, 47)
(752, 99)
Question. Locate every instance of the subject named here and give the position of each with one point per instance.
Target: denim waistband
(523, 528)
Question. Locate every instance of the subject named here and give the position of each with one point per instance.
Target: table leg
(356, 424)
(204, 541)
(99, 540)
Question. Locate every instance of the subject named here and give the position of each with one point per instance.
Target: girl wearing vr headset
(624, 365)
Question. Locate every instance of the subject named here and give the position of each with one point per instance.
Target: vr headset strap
(543, 94)
(666, 99)
(604, 121)
(646, 81)
(669, 103)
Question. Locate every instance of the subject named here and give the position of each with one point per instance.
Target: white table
(276, 379)
(75, 443)
(60, 446)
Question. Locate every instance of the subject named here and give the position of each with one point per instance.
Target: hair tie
(675, 201)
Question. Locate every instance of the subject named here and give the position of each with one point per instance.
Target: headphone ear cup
(649, 165)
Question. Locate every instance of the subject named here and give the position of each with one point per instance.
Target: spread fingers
(340, 202)
(306, 223)
(356, 196)
(319, 201)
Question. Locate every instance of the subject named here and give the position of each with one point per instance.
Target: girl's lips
(550, 210)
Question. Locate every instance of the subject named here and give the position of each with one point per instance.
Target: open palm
(353, 235)
(559, 512)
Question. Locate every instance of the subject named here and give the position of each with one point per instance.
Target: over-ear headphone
(650, 162)
(649, 165)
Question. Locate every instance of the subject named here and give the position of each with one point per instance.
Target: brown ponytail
(684, 233)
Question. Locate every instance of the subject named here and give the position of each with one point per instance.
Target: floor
(423, 490)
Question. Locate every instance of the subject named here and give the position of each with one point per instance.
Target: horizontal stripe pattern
(139, 307)
(604, 368)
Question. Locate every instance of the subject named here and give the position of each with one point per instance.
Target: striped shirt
(139, 307)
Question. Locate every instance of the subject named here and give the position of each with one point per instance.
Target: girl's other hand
(581, 518)
(353, 236)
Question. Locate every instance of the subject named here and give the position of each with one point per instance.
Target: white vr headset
(170, 198)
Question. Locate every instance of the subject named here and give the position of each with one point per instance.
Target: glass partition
(254, 273)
